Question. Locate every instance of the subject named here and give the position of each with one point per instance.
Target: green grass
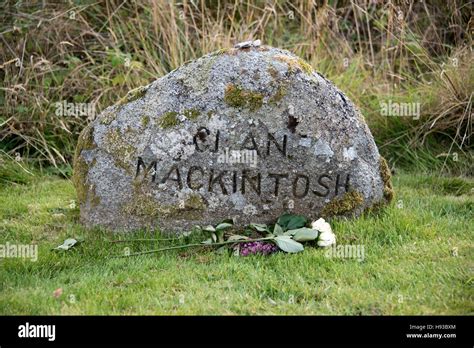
(410, 264)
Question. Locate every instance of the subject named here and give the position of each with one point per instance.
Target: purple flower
(254, 248)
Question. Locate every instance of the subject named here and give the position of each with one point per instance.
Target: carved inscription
(246, 181)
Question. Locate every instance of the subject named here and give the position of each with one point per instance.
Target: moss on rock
(143, 204)
(80, 182)
(95, 199)
(145, 121)
(81, 167)
(133, 95)
(344, 205)
(194, 202)
(84, 191)
(273, 72)
(191, 114)
(107, 117)
(238, 97)
(295, 64)
(115, 144)
(220, 52)
(168, 120)
(86, 140)
(279, 94)
(305, 66)
(386, 176)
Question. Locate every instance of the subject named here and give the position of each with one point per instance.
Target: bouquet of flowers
(288, 235)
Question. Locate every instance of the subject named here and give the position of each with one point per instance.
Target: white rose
(326, 239)
(321, 225)
(326, 236)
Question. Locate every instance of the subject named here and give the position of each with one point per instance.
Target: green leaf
(291, 222)
(186, 233)
(223, 226)
(209, 228)
(260, 227)
(297, 221)
(277, 230)
(214, 237)
(207, 241)
(236, 237)
(288, 245)
(304, 234)
(220, 236)
(67, 244)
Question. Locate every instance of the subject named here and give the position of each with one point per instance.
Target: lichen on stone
(346, 204)
(86, 140)
(238, 97)
(79, 180)
(295, 64)
(220, 51)
(81, 167)
(386, 176)
(279, 94)
(273, 72)
(361, 117)
(194, 202)
(115, 144)
(108, 117)
(145, 121)
(168, 119)
(191, 114)
(133, 95)
(143, 204)
(95, 199)
(198, 77)
(130, 132)
(281, 85)
(305, 66)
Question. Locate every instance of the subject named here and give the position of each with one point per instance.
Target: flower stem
(196, 245)
(143, 240)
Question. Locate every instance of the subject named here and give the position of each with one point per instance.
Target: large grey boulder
(167, 156)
